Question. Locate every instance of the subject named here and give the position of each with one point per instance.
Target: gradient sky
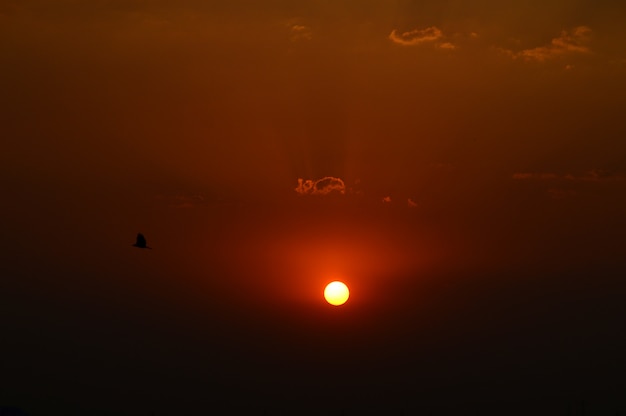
(477, 156)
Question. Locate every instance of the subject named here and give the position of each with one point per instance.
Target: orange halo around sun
(336, 293)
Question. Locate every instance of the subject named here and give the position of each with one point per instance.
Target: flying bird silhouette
(141, 242)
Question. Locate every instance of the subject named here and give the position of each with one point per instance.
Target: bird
(141, 242)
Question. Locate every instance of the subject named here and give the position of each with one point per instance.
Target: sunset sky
(461, 166)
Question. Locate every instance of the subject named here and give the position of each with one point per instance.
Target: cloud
(300, 33)
(323, 186)
(410, 203)
(447, 45)
(535, 176)
(565, 186)
(416, 36)
(570, 42)
(593, 175)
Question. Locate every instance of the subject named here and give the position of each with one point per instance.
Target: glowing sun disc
(336, 293)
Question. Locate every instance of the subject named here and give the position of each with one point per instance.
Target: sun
(336, 293)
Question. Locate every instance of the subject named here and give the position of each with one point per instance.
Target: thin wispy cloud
(593, 175)
(447, 45)
(299, 32)
(569, 42)
(560, 186)
(410, 203)
(536, 176)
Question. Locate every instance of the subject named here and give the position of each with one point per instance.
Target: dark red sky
(478, 155)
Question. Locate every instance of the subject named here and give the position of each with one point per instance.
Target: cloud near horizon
(593, 175)
(566, 186)
(574, 41)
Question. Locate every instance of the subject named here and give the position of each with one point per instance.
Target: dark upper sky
(475, 156)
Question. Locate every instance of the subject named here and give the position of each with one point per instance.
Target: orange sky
(249, 96)
(473, 140)
(470, 111)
